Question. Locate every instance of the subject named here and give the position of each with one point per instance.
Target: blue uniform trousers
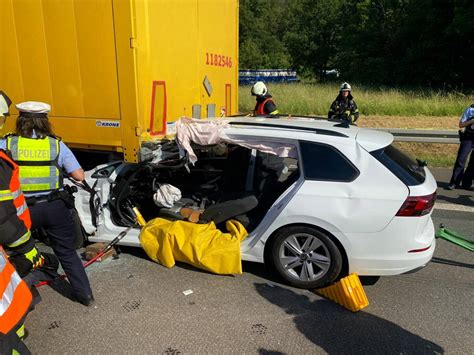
(461, 177)
(57, 221)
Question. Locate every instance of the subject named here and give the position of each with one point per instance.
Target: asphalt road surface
(141, 308)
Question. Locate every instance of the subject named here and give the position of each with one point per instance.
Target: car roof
(368, 138)
(298, 123)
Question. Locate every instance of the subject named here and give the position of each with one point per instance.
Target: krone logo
(112, 124)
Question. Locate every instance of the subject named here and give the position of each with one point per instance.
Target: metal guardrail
(423, 135)
(405, 135)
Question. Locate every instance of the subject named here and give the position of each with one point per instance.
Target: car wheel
(305, 257)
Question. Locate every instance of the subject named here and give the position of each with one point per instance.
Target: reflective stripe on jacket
(15, 296)
(15, 192)
(38, 161)
(260, 108)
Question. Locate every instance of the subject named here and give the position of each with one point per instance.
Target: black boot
(86, 300)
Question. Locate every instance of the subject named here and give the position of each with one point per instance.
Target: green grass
(315, 99)
(436, 155)
(438, 162)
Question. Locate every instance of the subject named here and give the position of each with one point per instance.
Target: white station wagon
(328, 198)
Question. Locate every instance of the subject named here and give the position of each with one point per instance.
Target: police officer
(344, 106)
(461, 178)
(42, 158)
(265, 104)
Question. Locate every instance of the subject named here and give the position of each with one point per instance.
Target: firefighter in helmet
(265, 104)
(344, 107)
(23, 257)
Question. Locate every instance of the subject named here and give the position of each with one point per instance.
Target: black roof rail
(326, 132)
(342, 123)
(280, 115)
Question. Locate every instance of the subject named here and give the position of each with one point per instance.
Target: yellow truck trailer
(116, 72)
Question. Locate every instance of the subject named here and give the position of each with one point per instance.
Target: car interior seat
(273, 175)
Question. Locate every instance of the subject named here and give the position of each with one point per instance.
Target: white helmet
(5, 103)
(259, 89)
(345, 87)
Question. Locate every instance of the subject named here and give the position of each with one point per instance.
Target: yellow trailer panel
(115, 72)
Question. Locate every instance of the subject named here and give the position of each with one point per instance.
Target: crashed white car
(331, 198)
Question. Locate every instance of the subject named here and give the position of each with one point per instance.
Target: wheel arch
(271, 238)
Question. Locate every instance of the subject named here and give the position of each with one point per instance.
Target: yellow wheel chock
(348, 292)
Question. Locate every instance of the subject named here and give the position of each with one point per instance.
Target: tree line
(427, 43)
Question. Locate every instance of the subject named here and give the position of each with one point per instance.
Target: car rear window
(401, 165)
(323, 162)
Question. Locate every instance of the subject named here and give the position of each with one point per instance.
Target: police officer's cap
(33, 109)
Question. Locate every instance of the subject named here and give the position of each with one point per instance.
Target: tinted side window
(323, 162)
(401, 165)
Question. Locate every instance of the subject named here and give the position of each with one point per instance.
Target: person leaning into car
(42, 158)
(461, 178)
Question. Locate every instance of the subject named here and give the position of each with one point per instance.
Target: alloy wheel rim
(304, 257)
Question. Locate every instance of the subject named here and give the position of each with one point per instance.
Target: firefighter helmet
(345, 87)
(259, 89)
(5, 103)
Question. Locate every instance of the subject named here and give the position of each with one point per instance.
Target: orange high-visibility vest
(15, 296)
(260, 110)
(19, 201)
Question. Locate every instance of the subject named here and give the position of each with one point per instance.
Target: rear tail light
(415, 206)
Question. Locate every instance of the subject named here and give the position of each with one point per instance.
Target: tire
(297, 247)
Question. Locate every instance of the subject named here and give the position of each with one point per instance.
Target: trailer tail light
(415, 206)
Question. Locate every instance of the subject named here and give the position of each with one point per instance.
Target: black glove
(26, 257)
(51, 264)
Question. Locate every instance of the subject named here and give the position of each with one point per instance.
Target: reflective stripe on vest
(23, 239)
(38, 161)
(261, 107)
(19, 201)
(6, 195)
(15, 296)
(21, 207)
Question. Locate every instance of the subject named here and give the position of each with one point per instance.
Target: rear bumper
(387, 252)
(416, 270)
(395, 266)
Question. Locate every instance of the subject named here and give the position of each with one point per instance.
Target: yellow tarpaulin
(201, 245)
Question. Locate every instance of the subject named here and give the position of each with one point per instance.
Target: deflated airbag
(201, 245)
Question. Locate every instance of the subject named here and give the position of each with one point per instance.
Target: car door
(345, 189)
